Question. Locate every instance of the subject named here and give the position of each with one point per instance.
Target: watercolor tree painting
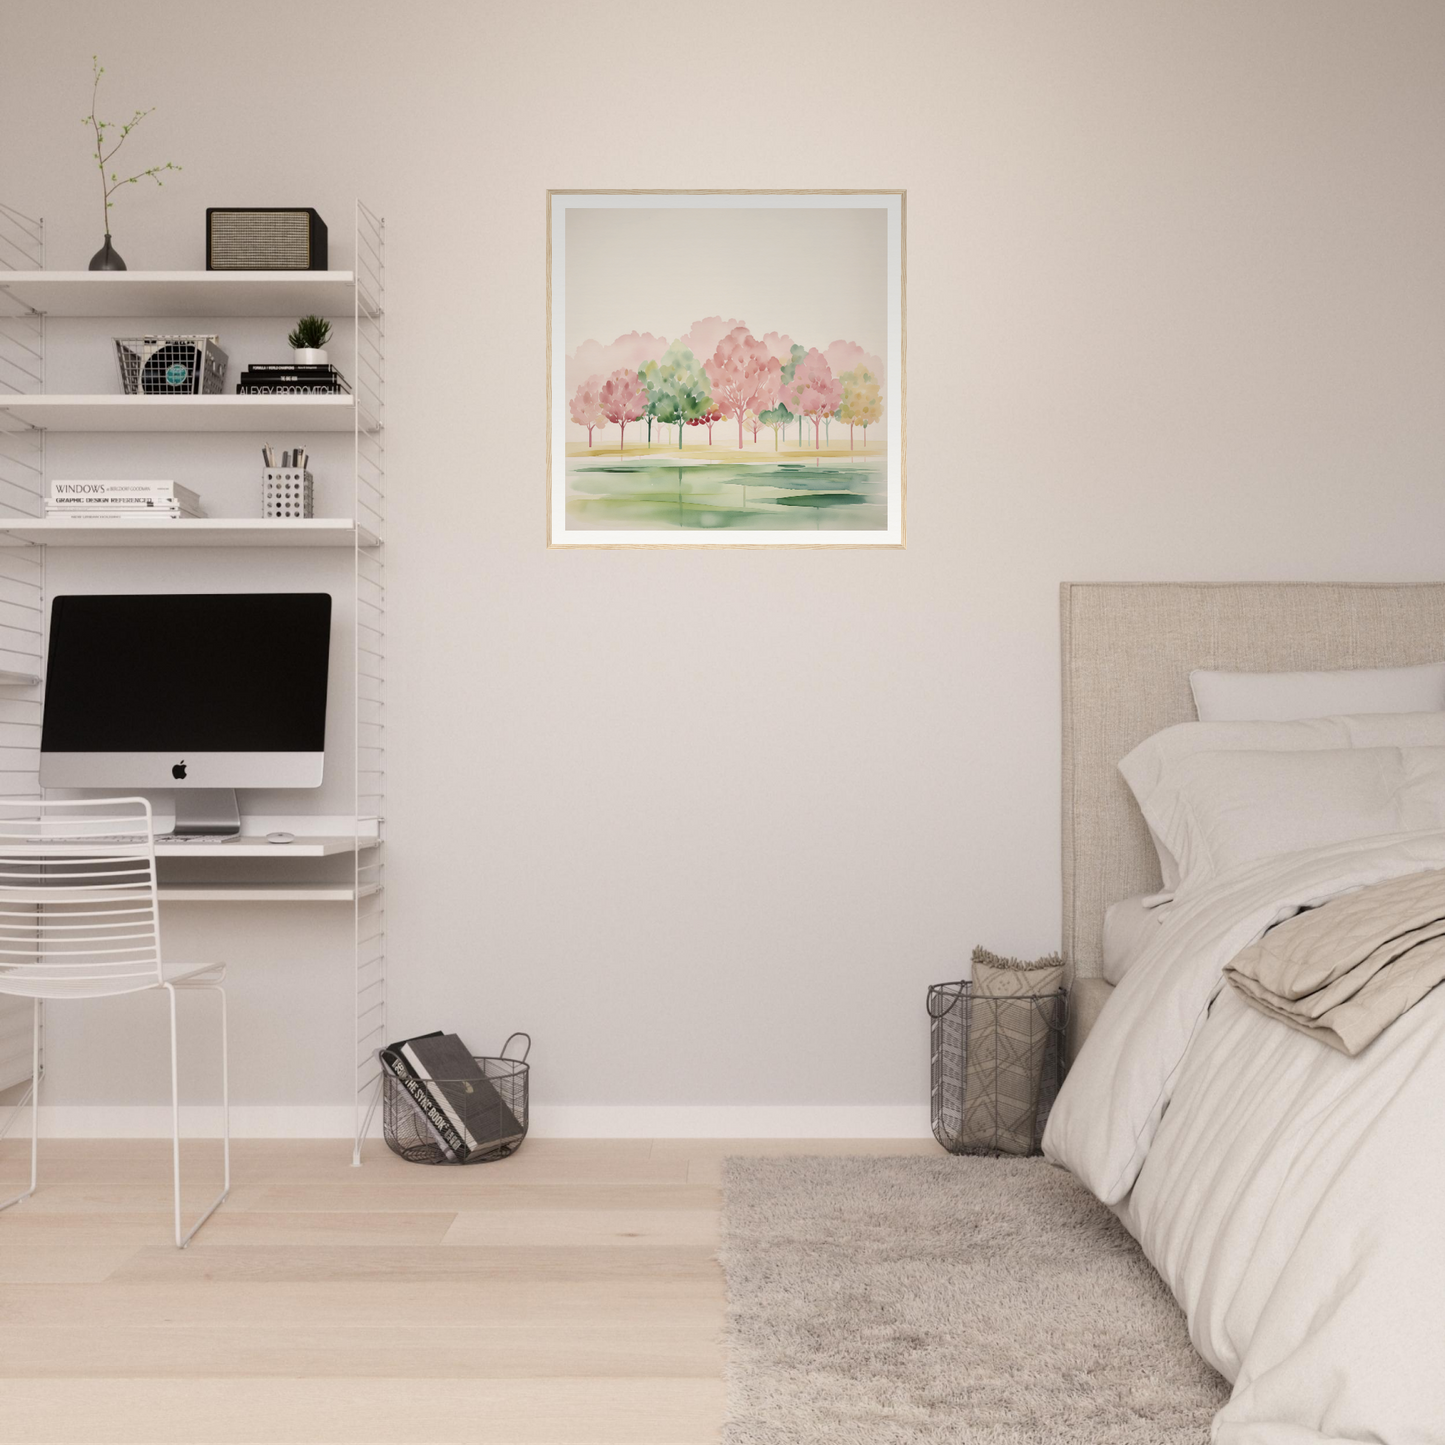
(814, 392)
(677, 388)
(587, 406)
(744, 375)
(635, 340)
(862, 403)
(623, 399)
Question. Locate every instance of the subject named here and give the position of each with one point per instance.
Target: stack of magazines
(90, 500)
(289, 379)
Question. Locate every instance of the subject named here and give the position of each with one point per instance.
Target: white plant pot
(309, 356)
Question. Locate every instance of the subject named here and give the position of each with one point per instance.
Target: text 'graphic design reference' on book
(92, 499)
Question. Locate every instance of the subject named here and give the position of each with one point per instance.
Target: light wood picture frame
(726, 368)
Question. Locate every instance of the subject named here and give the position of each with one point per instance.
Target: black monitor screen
(237, 672)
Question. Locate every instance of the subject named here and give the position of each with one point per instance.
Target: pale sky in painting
(818, 275)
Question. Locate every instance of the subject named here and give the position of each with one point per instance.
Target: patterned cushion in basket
(1008, 1033)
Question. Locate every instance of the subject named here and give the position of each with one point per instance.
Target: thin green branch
(111, 183)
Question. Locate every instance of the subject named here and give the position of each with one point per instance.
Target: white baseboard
(549, 1121)
(198, 1121)
(731, 1121)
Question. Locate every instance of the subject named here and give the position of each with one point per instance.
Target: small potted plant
(308, 340)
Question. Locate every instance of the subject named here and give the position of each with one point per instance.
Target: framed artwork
(725, 368)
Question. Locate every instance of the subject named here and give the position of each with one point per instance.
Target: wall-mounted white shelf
(31, 299)
(260, 892)
(186, 532)
(287, 294)
(77, 413)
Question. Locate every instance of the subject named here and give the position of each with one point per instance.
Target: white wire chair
(79, 918)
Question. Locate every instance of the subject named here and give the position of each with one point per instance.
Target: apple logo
(179, 771)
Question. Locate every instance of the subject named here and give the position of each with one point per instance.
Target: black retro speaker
(265, 238)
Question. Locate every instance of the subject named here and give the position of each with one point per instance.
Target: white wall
(708, 823)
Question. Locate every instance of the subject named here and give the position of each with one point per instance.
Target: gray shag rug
(973, 1301)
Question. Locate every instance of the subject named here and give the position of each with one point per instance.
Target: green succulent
(311, 334)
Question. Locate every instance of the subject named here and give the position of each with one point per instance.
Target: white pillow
(1217, 811)
(1283, 696)
(1145, 768)
(1130, 926)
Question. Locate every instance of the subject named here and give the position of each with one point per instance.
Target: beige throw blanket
(1346, 971)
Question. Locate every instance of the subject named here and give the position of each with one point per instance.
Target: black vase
(107, 258)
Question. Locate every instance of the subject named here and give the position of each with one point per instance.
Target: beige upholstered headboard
(1128, 648)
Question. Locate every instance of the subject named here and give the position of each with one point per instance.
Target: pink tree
(587, 406)
(624, 399)
(745, 376)
(709, 417)
(814, 391)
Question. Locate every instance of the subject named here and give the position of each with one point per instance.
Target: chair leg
(34, 1093)
(183, 1240)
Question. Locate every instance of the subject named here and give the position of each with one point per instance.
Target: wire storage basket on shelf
(493, 1128)
(171, 365)
(997, 1064)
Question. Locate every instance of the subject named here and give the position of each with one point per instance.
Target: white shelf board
(84, 413)
(185, 532)
(286, 294)
(18, 679)
(254, 847)
(259, 892)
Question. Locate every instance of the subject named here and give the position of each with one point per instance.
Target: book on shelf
(140, 495)
(294, 368)
(290, 379)
(111, 514)
(121, 507)
(122, 503)
(461, 1106)
(290, 386)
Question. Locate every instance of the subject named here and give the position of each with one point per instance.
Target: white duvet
(1293, 1198)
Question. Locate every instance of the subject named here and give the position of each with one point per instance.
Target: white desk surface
(247, 846)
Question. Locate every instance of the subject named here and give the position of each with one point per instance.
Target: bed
(1293, 1198)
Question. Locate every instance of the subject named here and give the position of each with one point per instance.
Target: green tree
(777, 417)
(796, 355)
(677, 388)
(647, 374)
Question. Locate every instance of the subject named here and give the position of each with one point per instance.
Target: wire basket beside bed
(997, 1064)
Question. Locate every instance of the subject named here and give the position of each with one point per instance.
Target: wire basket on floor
(408, 1133)
(997, 1067)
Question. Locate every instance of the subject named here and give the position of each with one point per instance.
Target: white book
(100, 490)
(119, 499)
(73, 514)
(101, 485)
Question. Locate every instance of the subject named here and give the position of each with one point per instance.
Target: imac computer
(199, 693)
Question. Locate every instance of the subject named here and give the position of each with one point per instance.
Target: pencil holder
(286, 492)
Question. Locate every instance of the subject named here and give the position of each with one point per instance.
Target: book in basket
(461, 1106)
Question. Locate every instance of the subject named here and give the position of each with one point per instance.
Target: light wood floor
(566, 1296)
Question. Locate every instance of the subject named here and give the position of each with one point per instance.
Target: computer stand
(207, 813)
